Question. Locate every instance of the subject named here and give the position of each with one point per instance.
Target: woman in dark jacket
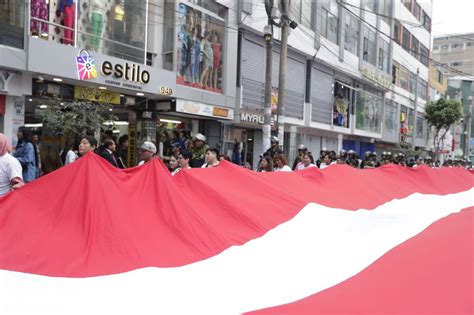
(26, 154)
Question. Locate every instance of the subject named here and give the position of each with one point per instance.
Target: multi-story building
(199, 66)
(162, 66)
(348, 82)
(456, 52)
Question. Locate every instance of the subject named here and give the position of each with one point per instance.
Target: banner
(96, 95)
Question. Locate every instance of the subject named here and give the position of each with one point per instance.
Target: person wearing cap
(322, 154)
(212, 160)
(147, 152)
(200, 148)
(274, 149)
(301, 150)
(367, 162)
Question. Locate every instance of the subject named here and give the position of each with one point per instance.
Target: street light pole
(268, 36)
(413, 133)
(282, 75)
(467, 136)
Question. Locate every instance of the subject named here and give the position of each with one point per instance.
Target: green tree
(441, 115)
(77, 117)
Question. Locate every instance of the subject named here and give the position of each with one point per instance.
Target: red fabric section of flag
(90, 219)
(432, 273)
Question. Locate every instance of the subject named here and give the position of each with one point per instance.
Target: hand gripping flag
(92, 239)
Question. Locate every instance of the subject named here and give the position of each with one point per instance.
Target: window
(295, 10)
(416, 11)
(445, 47)
(372, 5)
(414, 47)
(397, 33)
(426, 21)
(406, 39)
(12, 17)
(436, 47)
(412, 82)
(470, 44)
(456, 63)
(370, 49)
(404, 78)
(424, 55)
(408, 4)
(395, 73)
(455, 45)
(365, 49)
(422, 89)
(351, 33)
(381, 58)
(439, 76)
(419, 126)
(332, 29)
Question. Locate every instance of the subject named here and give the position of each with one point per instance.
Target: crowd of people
(23, 164)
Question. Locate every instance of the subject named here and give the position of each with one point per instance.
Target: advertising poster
(199, 49)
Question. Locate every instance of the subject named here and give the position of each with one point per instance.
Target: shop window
(369, 108)
(168, 35)
(199, 50)
(419, 126)
(391, 117)
(351, 33)
(12, 19)
(341, 108)
(333, 28)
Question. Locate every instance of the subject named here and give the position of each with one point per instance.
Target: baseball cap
(200, 137)
(148, 146)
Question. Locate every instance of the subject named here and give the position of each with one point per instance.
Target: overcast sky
(452, 16)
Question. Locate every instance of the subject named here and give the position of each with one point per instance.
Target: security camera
(293, 24)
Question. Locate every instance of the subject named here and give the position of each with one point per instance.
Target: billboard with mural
(199, 49)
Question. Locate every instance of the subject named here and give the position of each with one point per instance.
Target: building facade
(163, 67)
(351, 74)
(456, 53)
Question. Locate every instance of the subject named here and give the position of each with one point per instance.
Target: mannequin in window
(216, 51)
(207, 61)
(117, 25)
(96, 16)
(68, 9)
(39, 10)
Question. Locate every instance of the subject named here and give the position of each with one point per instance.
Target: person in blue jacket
(25, 153)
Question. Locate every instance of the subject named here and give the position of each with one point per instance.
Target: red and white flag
(91, 239)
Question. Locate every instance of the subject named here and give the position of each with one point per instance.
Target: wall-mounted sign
(96, 95)
(200, 109)
(127, 71)
(252, 118)
(85, 66)
(166, 90)
(377, 77)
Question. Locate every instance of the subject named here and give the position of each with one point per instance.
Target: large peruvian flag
(90, 239)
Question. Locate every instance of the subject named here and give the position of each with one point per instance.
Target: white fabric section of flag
(319, 248)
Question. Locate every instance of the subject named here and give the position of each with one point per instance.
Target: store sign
(86, 70)
(200, 109)
(85, 66)
(252, 118)
(377, 77)
(96, 95)
(132, 144)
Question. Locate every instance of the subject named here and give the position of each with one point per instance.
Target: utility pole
(285, 20)
(415, 108)
(268, 36)
(467, 136)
